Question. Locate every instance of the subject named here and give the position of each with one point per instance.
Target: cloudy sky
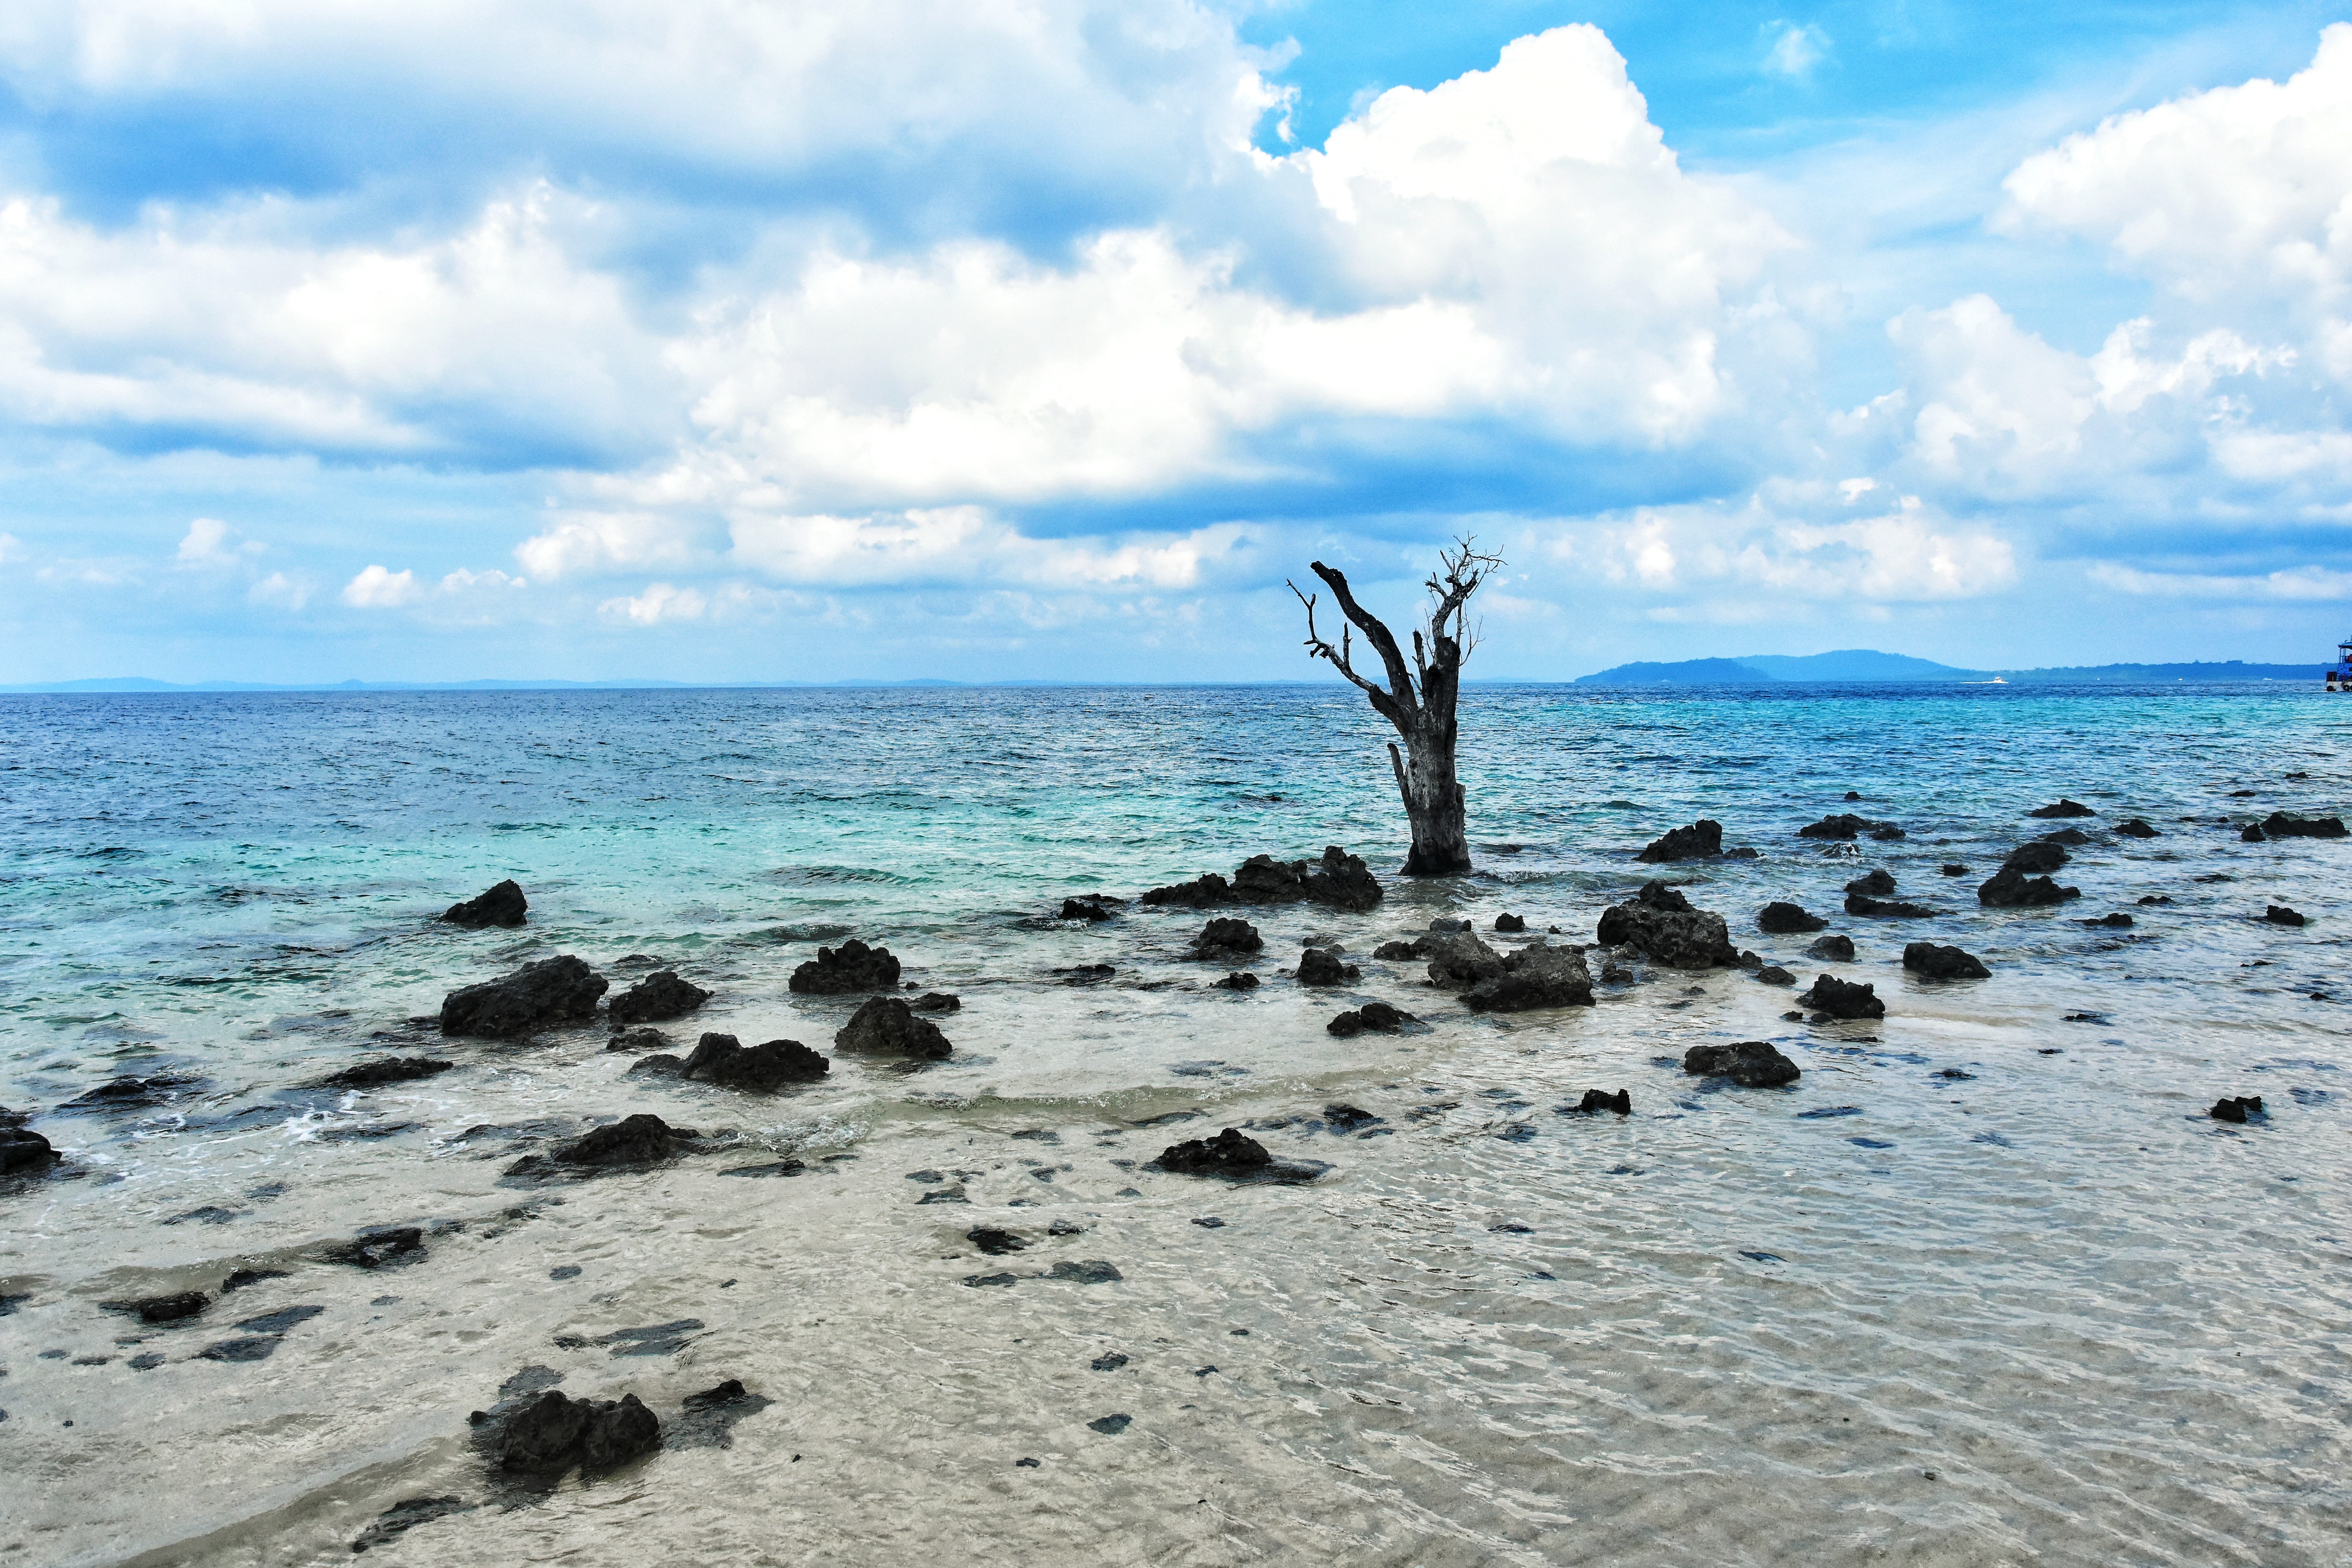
(820, 338)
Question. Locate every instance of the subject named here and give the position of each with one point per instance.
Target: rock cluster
(553, 991)
(1536, 976)
(1377, 1016)
(1339, 880)
(1930, 961)
(659, 996)
(887, 1026)
(1660, 922)
(2023, 881)
(1845, 828)
(553, 1432)
(2236, 1108)
(1701, 840)
(2280, 825)
(1844, 998)
(2062, 807)
(1750, 1064)
(842, 970)
(503, 905)
(1458, 960)
(763, 1068)
(1225, 940)
(1596, 1101)
(1229, 1153)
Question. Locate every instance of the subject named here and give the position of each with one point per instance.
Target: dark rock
(1701, 840)
(377, 1071)
(405, 1516)
(2136, 827)
(1083, 909)
(1319, 967)
(1458, 960)
(1742, 853)
(638, 1040)
(937, 1002)
(643, 1139)
(249, 1347)
(763, 1068)
(887, 1025)
(553, 991)
(2119, 920)
(1888, 833)
(709, 1417)
(2279, 915)
(1537, 976)
(2011, 889)
(130, 1093)
(1660, 922)
(659, 995)
(1876, 884)
(1109, 1360)
(1844, 998)
(849, 968)
(1930, 961)
(994, 1242)
(1377, 1016)
(1854, 795)
(243, 1277)
(2070, 837)
(1953, 869)
(503, 905)
(554, 1432)
(2252, 835)
(2039, 856)
(1750, 1064)
(1442, 926)
(1085, 1271)
(1399, 952)
(1224, 939)
(2155, 898)
(1239, 980)
(1339, 880)
(278, 1321)
(1085, 973)
(173, 1308)
(2063, 808)
(1844, 826)
(1596, 1101)
(2283, 825)
(661, 1064)
(21, 1149)
(2236, 1108)
(1110, 1426)
(1835, 948)
(1506, 924)
(1230, 1151)
(380, 1246)
(1340, 1118)
(1885, 909)
(1781, 919)
(1773, 974)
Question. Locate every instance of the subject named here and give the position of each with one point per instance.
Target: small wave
(826, 876)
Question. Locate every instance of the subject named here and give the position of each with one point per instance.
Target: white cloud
(375, 588)
(1793, 48)
(1908, 555)
(600, 543)
(968, 544)
(281, 591)
(206, 544)
(2312, 584)
(11, 549)
(660, 602)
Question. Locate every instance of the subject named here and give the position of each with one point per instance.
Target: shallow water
(2047, 1312)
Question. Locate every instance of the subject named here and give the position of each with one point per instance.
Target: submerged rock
(2279, 915)
(1953, 869)
(1701, 840)
(380, 1246)
(1377, 1017)
(658, 996)
(177, 1307)
(841, 971)
(1224, 939)
(1781, 918)
(2062, 807)
(1343, 1118)
(405, 1516)
(1660, 922)
(763, 1068)
(133, 1093)
(554, 1432)
(638, 1040)
(2034, 857)
(1596, 1101)
(1400, 952)
(937, 1002)
(1885, 909)
(1773, 974)
(2071, 838)
(1338, 881)
(1229, 1153)
(1083, 909)
(2282, 825)
(2236, 1108)
(1837, 949)
(1320, 966)
(1844, 998)
(1537, 976)
(994, 1242)
(1239, 980)
(2252, 835)
(503, 905)
(2012, 887)
(1876, 884)
(887, 1025)
(377, 1071)
(1750, 1064)
(1930, 961)
(1458, 960)
(1844, 826)
(2135, 828)
(551, 991)
(2118, 919)
(21, 1149)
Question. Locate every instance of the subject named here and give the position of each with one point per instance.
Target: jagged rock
(887, 1025)
(1506, 924)
(661, 1064)
(1781, 918)
(1339, 880)
(1224, 939)
(1885, 909)
(2118, 920)
(551, 991)
(643, 1139)
(2136, 827)
(2011, 889)
(1459, 960)
(1317, 966)
(1536, 976)
(995, 1243)
(1930, 961)
(1743, 853)
(1877, 884)
(1750, 1064)
(842, 971)
(2252, 835)
(1239, 980)
(763, 1068)
(1377, 1016)
(1596, 1101)
(1661, 922)
(178, 1307)
(2279, 915)
(2236, 1108)
(1229, 1152)
(2035, 857)
(1443, 926)
(658, 996)
(2282, 825)
(380, 1246)
(2062, 807)
(637, 1040)
(937, 1002)
(1836, 948)
(1843, 825)
(377, 1071)
(1844, 998)
(21, 1149)
(1342, 1118)
(1701, 840)
(1083, 909)
(1888, 833)
(503, 905)
(1773, 974)
(2070, 837)
(1400, 951)
(553, 1432)
(132, 1093)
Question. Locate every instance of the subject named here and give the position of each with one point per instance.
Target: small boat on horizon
(2339, 674)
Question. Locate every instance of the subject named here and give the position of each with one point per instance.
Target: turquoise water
(2108, 1324)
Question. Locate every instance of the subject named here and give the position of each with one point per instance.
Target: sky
(727, 339)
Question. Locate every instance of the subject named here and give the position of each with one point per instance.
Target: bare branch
(1403, 698)
(1319, 648)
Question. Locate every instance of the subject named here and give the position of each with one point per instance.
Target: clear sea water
(2049, 1311)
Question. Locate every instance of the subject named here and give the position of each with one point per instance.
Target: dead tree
(1419, 699)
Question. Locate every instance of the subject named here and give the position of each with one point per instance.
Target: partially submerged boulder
(2283, 825)
(1321, 966)
(2236, 1108)
(1239, 980)
(1377, 1016)
(2062, 807)
(377, 1071)
(1781, 917)
(2279, 915)
(888, 1026)
(659, 996)
(1837, 949)
(1230, 1152)
(763, 1068)
(1508, 924)
(1458, 961)
(1597, 1101)
(2136, 827)
(1929, 961)
(21, 1148)
(503, 905)
(1536, 976)
(1083, 909)
(1660, 922)
(1844, 998)
(937, 1002)
(1702, 839)
(1225, 938)
(1876, 883)
(1338, 881)
(2069, 837)
(1885, 909)
(643, 1139)
(559, 990)
(553, 1432)
(846, 970)
(1844, 826)
(2019, 884)
(1750, 1064)
(380, 1246)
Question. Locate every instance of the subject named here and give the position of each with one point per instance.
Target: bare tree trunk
(1419, 699)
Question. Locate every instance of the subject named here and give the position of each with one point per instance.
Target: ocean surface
(2045, 1311)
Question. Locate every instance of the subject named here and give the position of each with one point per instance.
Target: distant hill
(1869, 664)
(2234, 669)
(1855, 664)
(1687, 672)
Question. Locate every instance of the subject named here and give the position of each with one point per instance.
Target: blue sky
(737, 341)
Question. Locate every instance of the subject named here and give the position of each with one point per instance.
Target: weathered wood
(1419, 699)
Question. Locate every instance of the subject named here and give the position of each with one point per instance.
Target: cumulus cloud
(2297, 584)
(1793, 48)
(660, 602)
(968, 544)
(378, 588)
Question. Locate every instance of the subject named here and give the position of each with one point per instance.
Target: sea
(1987, 1285)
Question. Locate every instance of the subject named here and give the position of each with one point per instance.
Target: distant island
(1861, 664)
